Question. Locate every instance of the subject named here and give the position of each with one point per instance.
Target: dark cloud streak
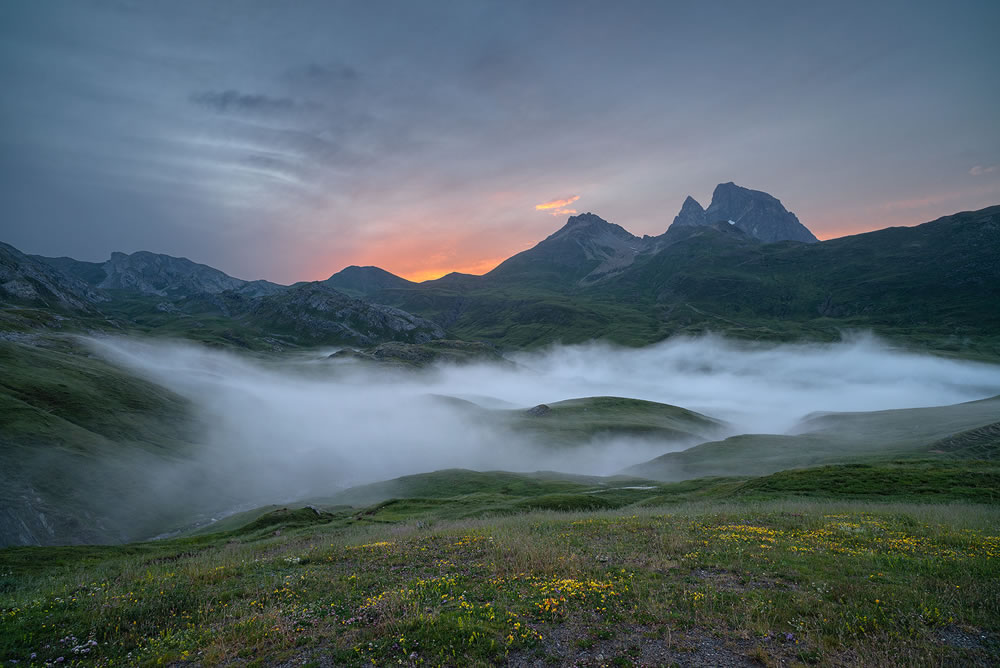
(235, 101)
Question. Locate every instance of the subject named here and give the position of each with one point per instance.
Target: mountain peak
(585, 249)
(162, 275)
(591, 225)
(729, 191)
(586, 219)
(366, 281)
(691, 214)
(757, 213)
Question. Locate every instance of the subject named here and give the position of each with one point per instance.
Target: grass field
(778, 582)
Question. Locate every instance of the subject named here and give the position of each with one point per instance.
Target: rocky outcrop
(757, 213)
(308, 313)
(26, 280)
(315, 312)
(691, 214)
(159, 275)
(163, 275)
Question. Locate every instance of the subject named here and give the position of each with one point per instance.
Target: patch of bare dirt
(724, 580)
(633, 645)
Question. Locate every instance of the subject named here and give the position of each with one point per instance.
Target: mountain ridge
(155, 292)
(593, 279)
(156, 274)
(165, 275)
(25, 279)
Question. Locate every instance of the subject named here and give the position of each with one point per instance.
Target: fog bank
(277, 429)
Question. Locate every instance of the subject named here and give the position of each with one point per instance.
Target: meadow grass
(786, 581)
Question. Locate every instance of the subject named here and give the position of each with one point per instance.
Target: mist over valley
(499, 334)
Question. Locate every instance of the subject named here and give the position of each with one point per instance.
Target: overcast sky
(286, 140)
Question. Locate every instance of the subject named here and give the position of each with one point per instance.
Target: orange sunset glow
(558, 207)
(477, 267)
(425, 259)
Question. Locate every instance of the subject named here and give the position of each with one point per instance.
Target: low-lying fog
(289, 427)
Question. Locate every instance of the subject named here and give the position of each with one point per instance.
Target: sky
(286, 140)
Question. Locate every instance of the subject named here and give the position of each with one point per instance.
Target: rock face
(260, 288)
(157, 274)
(316, 312)
(691, 214)
(163, 275)
(24, 279)
(310, 313)
(757, 213)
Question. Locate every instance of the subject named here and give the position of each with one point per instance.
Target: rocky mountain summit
(589, 250)
(156, 274)
(757, 213)
(585, 249)
(691, 214)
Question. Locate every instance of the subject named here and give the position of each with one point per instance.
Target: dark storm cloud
(235, 101)
(285, 141)
(322, 75)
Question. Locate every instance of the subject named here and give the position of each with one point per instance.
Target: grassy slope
(780, 581)
(75, 432)
(829, 439)
(576, 422)
(958, 480)
(460, 494)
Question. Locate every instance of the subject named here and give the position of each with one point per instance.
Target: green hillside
(579, 420)
(77, 439)
(838, 438)
(750, 573)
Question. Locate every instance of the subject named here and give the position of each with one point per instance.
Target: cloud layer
(309, 426)
(287, 141)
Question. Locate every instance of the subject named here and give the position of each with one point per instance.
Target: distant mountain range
(160, 275)
(745, 265)
(160, 293)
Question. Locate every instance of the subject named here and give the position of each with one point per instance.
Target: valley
(698, 448)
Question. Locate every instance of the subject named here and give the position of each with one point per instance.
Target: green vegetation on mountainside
(934, 285)
(576, 421)
(79, 437)
(834, 438)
